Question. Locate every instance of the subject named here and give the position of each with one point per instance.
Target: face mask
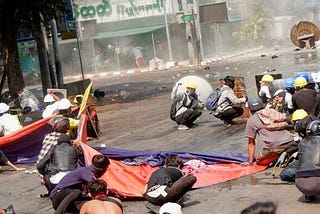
(190, 93)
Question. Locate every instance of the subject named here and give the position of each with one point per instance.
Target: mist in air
(252, 23)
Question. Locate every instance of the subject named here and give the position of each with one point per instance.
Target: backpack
(272, 119)
(212, 100)
(173, 110)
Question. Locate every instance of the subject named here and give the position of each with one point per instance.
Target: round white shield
(203, 87)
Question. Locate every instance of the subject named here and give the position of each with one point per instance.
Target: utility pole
(189, 36)
(198, 31)
(78, 42)
(167, 30)
(40, 38)
(56, 52)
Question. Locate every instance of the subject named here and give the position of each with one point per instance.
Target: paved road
(143, 124)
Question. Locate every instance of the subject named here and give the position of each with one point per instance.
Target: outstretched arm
(14, 167)
(251, 149)
(174, 90)
(55, 97)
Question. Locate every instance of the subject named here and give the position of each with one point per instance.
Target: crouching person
(308, 168)
(66, 196)
(188, 107)
(226, 109)
(168, 184)
(275, 142)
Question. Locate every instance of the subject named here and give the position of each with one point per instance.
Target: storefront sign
(106, 11)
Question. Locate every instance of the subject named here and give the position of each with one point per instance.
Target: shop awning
(127, 32)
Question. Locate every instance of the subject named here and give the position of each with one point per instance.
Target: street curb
(110, 74)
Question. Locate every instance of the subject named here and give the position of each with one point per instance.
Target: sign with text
(108, 11)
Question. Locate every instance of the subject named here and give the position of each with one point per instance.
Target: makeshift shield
(203, 87)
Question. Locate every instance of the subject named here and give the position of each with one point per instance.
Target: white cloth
(264, 90)
(55, 179)
(157, 191)
(9, 123)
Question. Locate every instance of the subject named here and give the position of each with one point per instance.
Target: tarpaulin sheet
(127, 180)
(156, 158)
(24, 145)
(130, 180)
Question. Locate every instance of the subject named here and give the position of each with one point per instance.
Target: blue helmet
(289, 83)
(304, 75)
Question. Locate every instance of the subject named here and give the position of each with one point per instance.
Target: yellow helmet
(298, 115)
(191, 85)
(266, 78)
(300, 82)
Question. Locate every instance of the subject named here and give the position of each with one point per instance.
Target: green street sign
(71, 25)
(187, 17)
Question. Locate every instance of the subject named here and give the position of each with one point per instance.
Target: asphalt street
(135, 115)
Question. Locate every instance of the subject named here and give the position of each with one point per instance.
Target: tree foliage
(27, 15)
(256, 28)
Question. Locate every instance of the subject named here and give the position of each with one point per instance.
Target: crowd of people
(285, 120)
(294, 145)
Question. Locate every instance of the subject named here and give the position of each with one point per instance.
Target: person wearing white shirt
(264, 91)
(8, 123)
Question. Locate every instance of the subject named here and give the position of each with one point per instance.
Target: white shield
(203, 87)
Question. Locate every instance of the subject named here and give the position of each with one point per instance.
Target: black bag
(173, 110)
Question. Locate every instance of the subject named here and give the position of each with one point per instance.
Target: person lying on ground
(169, 183)
(4, 161)
(66, 196)
(101, 202)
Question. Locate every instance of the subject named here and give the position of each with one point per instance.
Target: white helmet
(170, 207)
(64, 103)
(3, 108)
(48, 98)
